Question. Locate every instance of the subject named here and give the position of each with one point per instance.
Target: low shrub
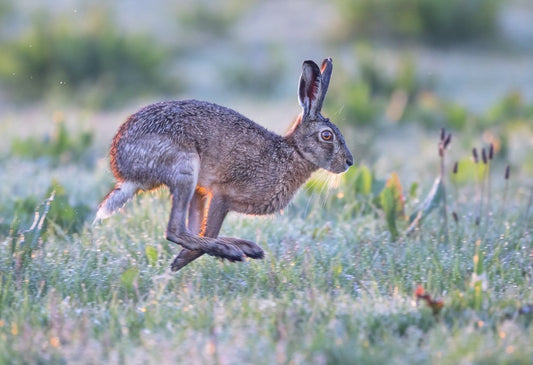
(372, 94)
(57, 56)
(434, 21)
(205, 21)
(256, 72)
(61, 146)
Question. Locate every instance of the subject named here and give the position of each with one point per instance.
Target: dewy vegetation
(427, 261)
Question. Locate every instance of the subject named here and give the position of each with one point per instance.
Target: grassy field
(334, 288)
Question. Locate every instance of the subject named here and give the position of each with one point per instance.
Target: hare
(214, 160)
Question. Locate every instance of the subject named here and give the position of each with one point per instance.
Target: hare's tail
(116, 199)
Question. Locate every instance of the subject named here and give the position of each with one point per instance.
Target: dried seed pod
(491, 151)
(484, 155)
(455, 217)
(507, 172)
(474, 154)
(455, 167)
(442, 134)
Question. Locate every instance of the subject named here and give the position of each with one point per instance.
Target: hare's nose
(349, 161)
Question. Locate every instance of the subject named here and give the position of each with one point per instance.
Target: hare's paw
(178, 263)
(250, 249)
(226, 250)
(211, 246)
(184, 258)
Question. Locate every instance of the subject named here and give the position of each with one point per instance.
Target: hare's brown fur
(214, 160)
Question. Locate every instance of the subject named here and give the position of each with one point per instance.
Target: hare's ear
(310, 89)
(325, 70)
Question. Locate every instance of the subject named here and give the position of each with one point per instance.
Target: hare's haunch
(215, 160)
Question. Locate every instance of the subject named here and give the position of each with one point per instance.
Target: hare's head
(318, 140)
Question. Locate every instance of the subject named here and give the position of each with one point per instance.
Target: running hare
(214, 160)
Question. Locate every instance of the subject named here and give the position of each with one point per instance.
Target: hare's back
(190, 120)
(154, 136)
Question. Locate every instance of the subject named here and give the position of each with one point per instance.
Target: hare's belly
(258, 200)
(255, 208)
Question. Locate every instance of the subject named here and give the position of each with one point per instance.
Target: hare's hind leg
(182, 182)
(217, 211)
(196, 217)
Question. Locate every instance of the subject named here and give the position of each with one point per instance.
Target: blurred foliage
(372, 94)
(362, 193)
(60, 215)
(258, 72)
(64, 214)
(5, 10)
(432, 111)
(209, 20)
(375, 97)
(393, 203)
(355, 196)
(469, 172)
(511, 107)
(58, 56)
(458, 20)
(60, 147)
(434, 21)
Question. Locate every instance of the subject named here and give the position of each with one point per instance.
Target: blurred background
(403, 69)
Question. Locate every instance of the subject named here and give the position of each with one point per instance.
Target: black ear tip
(310, 63)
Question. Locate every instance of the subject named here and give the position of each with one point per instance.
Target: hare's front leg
(182, 186)
(217, 211)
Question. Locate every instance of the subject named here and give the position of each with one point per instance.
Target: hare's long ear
(310, 89)
(325, 70)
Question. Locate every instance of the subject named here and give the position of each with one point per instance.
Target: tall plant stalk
(443, 144)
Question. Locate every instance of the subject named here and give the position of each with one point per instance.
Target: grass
(332, 289)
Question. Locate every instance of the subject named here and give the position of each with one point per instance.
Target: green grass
(332, 289)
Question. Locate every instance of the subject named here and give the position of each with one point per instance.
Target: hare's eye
(326, 135)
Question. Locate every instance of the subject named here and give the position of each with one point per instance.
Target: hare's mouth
(343, 167)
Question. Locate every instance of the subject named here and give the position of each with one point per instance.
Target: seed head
(507, 172)
(474, 154)
(455, 217)
(447, 140)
